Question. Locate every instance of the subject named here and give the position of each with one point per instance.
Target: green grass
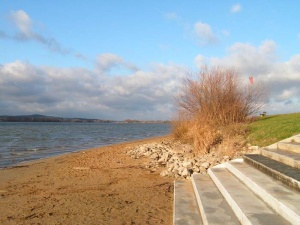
(270, 129)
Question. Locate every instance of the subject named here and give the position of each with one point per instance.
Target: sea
(26, 141)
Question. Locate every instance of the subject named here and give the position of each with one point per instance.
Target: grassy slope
(270, 129)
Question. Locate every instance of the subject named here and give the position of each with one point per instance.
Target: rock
(154, 156)
(187, 164)
(176, 166)
(185, 172)
(198, 164)
(225, 159)
(147, 154)
(253, 148)
(180, 170)
(164, 173)
(164, 157)
(196, 169)
(177, 176)
(152, 170)
(202, 169)
(205, 165)
(178, 162)
(170, 167)
(176, 172)
(174, 158)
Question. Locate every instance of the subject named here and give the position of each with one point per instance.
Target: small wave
(36, 149)
(23, 145)
(16, 153)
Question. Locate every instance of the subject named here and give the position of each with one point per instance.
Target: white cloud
(105, 62)
(79, 92)
(236, 8)
(23, 22)
(281, 79)
(204, 34)
(200, 61)
(26, 32)
(287, 94)
(247, 57)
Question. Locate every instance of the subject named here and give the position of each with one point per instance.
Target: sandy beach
(96, 186)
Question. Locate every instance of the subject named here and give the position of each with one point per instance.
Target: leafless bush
(212, 104)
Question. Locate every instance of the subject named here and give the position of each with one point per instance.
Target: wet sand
(96, 186)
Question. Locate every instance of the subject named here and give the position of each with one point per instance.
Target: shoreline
(100, 185)
(79, 150)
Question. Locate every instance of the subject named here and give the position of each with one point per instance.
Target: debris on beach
(177, 158)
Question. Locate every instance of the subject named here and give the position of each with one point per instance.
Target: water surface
(23, 141)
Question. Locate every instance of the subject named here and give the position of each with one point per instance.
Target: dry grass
(213, 107)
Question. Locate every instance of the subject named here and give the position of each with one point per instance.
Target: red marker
(251, 80)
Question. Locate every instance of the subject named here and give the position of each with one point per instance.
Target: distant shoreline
(43, 118)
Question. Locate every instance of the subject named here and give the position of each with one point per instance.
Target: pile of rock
(177, 158)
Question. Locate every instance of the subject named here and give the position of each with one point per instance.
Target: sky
(126, 59)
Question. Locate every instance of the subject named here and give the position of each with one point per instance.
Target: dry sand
(97, 186)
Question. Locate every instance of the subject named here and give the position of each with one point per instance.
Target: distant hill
(42, 118)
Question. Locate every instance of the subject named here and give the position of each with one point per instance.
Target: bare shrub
(211, 105)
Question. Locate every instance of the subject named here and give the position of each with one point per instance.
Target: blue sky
(126, 59)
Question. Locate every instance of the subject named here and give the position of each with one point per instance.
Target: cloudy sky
(125, 59)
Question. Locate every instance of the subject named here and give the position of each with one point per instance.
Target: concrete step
(289, 146)
(248, 207)
(287, 157)
(285, 201)
(288, 175)
(259, 189)
(291, 140)
(186, 211)
(213, 206)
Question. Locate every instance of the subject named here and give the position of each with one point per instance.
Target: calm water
(28, 141)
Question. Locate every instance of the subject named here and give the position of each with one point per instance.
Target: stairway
(258, 189)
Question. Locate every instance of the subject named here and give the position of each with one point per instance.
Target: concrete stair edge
(275, 155)
(236, 209)
(295, 137)
(200, 205)
(287, 180)
(184, 195)
(273, 202)
(275, 145)
(213, 206)
(248, 207)
(293, 147)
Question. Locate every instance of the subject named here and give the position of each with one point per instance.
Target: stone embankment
(177, 158)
